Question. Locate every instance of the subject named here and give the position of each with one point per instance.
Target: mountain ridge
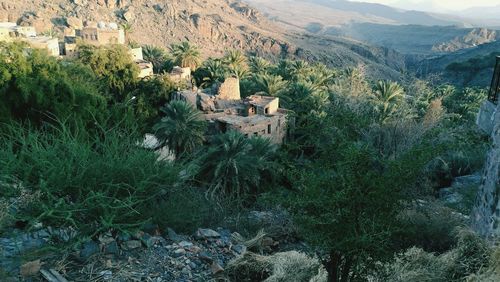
(215, 26)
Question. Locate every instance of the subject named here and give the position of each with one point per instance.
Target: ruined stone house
(11, 31)
(225, 110)
(102, 35)
(179, 74)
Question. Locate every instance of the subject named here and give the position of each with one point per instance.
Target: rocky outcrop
(486, 212)
(474, 38)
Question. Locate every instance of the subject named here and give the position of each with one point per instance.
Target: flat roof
(40, 39)
(258, 100)
(241, 120)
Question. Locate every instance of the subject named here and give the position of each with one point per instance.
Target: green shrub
(430, 226)
(91, 183)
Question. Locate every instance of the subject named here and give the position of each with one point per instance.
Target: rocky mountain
(469, 67)
(215, 26)
(474, 38)
(417, 39)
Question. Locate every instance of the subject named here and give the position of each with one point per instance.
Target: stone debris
(124, 257)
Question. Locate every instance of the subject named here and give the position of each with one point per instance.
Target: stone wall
(230, 89)
(486, 212)
(488, 116)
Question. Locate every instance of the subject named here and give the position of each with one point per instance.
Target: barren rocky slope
(215, 26)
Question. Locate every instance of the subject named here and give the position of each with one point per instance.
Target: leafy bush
(37, 87)
(87, 182)
(465, 103)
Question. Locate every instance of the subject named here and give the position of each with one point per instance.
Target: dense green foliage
(361, 159)
(236, 166)
(182, 129)
(36, 87)
(85, 181)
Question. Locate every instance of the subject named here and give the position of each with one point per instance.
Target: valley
(248, 141)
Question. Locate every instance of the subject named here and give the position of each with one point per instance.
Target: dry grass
(286, 266)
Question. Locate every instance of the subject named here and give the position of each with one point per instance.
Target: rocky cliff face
(474, 38)
(214, 25)
(486, 212)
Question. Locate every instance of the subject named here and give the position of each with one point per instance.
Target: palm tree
(321, 76)
(182, 129)
(270, 84)
(284, 69)
(155, 55)
(388, 94)
(240, 72)
(212, 71)
(259, 65)
(186, 55)
(127, 29)
(234, 166)
(235, 60)
(299, 69)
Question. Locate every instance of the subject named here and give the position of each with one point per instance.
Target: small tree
(235, 166)
(348, 203)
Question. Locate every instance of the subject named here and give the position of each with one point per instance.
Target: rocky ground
(154, 255)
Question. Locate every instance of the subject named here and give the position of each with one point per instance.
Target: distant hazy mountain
(340, 12)
(483, 12)
(485, 16)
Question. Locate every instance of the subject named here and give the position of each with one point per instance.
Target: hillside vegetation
(357, 180)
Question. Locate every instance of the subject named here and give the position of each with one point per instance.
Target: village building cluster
(224, 109)
(97, 34)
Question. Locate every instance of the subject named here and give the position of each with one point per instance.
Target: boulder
(216, 268)
(202, 233)
(74, 22)
(129, 15)
(131, 245)
(31, 268)
(206, 103)
(111, 4)
(89, 249)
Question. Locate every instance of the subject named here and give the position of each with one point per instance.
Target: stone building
(5, 34)
(43, 42)
(102, 35)
(145, 68)
(179, 74)
(224, 110)
(11, 31)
